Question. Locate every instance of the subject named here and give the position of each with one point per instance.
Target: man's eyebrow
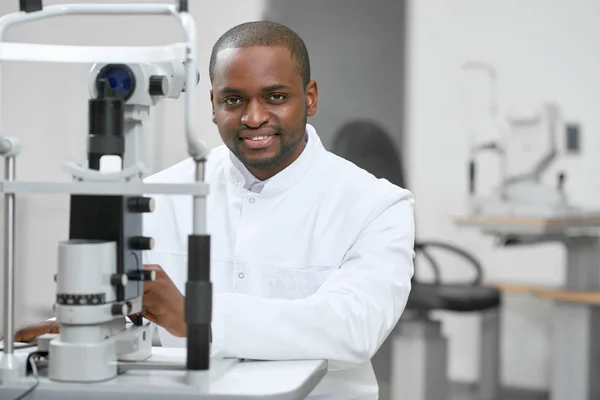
(272, 88)
(228, 90)
(277, 86)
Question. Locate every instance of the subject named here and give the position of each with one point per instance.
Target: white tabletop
(254, 378)
(228, 379)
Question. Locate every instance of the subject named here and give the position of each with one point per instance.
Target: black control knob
(159, 85)
(139, 321)
(142, 275)
(141, 243)
(141, 204)
(121, 309)
(119, 280)
(561, 181)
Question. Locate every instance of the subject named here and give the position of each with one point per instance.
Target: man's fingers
(154, 267)
(30, 333)
(150, 305)
(149, 285)
(26, 336)
(160, 280)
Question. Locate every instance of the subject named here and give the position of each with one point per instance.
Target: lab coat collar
(243, 178)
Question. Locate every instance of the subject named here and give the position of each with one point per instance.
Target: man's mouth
(259, 141)
(257, 138)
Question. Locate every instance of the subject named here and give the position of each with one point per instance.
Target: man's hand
(163, 303)
(30, 333)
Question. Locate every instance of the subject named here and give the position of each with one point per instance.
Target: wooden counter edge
(549, 293)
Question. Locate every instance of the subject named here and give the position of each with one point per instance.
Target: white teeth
(256, 138)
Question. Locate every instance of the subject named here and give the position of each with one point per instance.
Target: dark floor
(462, 391)
(466, 392)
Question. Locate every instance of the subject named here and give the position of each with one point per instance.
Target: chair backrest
(368, 145)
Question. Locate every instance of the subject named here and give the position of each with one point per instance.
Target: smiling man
(262, 96)
(311, 256)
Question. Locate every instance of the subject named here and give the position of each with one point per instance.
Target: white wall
(543, 50)
(46, 106)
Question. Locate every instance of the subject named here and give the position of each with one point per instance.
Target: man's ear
(212, 103)
(312, 98)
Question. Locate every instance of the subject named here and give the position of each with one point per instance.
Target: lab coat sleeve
(347, 319)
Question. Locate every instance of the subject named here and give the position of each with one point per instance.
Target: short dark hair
(264, 33)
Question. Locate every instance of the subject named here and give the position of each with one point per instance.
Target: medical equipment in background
(526, 142)
(525, 211)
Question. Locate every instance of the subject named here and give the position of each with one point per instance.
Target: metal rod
(196, 147)
(9, 259)
(59, 10)
(199, 210)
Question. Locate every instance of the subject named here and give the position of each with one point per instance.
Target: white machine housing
(526, 141)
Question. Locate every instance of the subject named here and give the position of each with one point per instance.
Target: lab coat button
(251, 200)
(241, 275)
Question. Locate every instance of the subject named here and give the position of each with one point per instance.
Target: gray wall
(357, 57)
(357, 51)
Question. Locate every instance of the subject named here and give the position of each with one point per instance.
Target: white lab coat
(315, 263)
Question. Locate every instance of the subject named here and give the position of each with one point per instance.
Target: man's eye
(231, 101)
(277, 97)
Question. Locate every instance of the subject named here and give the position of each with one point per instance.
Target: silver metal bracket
(85, 174)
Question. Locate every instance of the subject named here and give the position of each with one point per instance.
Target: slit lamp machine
(526, 141)
(100, 275)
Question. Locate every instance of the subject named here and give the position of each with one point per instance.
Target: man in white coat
(311, 256)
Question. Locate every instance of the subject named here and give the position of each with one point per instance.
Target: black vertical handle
(561, 181)
(30, 5)
(183, 6)
(472, 177)
(198, 303)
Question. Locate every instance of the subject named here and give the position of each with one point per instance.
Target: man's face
(260, 106)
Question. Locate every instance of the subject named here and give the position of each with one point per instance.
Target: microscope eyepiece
(120, 78)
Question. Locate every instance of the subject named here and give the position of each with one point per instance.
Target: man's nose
(256, 115)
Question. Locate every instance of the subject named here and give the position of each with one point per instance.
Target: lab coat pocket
(296, 283)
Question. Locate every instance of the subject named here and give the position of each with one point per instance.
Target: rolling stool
(415, 366)
(418, 338)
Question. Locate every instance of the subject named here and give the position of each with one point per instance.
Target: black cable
(39, 355)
